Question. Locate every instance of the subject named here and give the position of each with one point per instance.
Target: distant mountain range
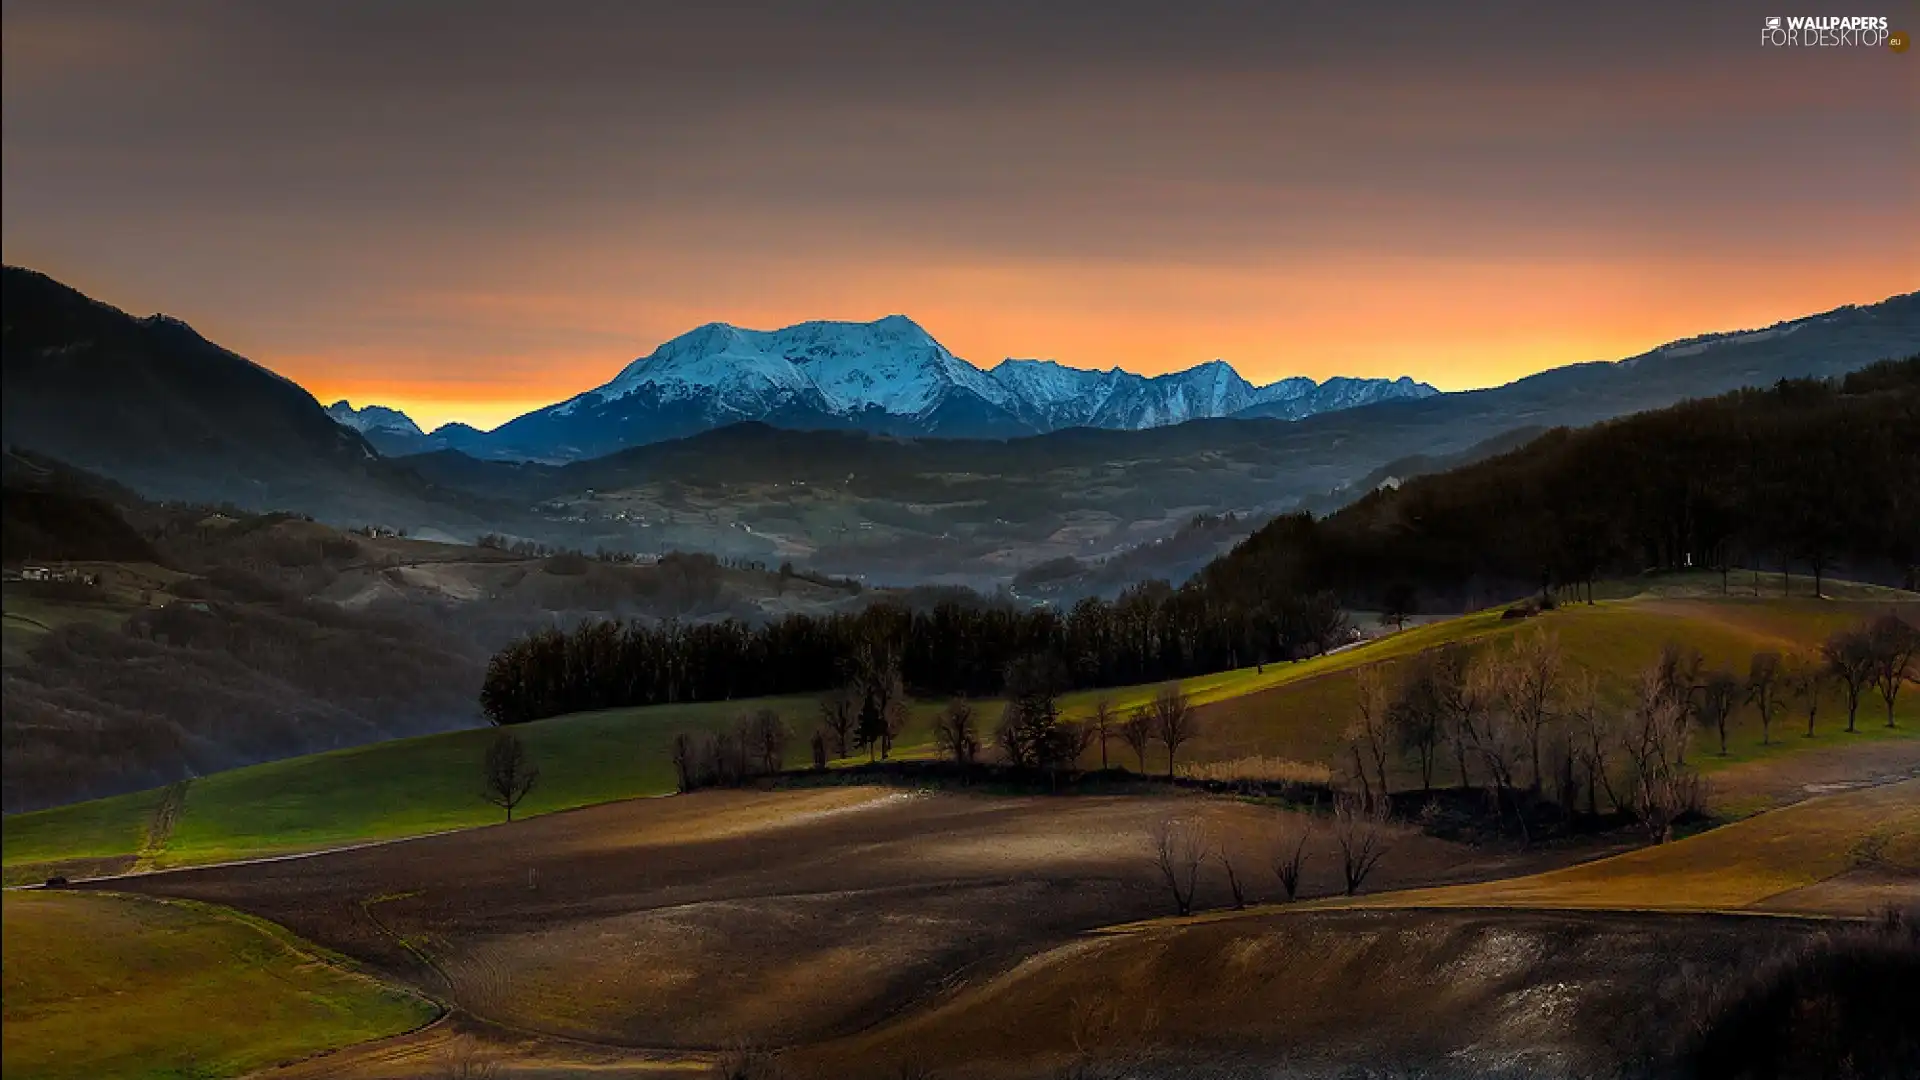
(151, 404)
(888, 377)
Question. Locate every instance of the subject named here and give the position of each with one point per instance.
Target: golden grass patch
(106, 985)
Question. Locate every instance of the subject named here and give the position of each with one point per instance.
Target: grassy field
(401, 788)
(100, 986)
(431, 783)
(1291, 711)
(1301, 709)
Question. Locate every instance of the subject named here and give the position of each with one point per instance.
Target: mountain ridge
(890, 376)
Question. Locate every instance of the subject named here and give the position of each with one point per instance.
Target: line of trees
(1808, 475)
(755, 746)
(1152, 632)
(1514, 720)
(1183, 847)
(1816, 473)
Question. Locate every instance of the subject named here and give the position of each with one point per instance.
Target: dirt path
(160, 826)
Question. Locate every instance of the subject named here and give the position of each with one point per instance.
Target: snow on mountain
(373, 418)
(887, 376)
(1074, 397)
(890, 364)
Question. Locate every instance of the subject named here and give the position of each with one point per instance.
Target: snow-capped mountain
(1059, 396)
(373, 418)
(888, 376)
(391, 431)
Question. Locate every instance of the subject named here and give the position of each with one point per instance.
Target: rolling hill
(1283, 712)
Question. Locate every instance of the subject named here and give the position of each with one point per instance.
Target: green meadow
(1292, 711)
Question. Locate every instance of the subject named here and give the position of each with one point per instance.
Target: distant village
(36, 572)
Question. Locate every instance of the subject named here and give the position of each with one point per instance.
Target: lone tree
(1361, 833)
(1763, 690)
(1172, 721)
(1397, 606)
(1849, 659)
(1180, 847)
(510, 773)
(956, 732)
(1892, 642)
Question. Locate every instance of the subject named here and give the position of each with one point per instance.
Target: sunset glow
(399, 226)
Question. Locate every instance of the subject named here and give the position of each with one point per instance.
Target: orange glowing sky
(475, 210)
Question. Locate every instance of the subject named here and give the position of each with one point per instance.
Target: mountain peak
(891, 376)
(372, 418)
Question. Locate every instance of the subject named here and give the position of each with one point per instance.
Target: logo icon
(1773, 22)
(1899, 40)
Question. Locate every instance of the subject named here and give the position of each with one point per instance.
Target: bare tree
(1893, 643)
(682, 753)
(1137, 731)
(1102, 723)
(880, 699)
(1369, 736)
(1469, 683)
(1228, 855)
(1290, 852)
(1529, 687)
(1180, 846)
(1654, 741)
(729, 753)
(1172, 720)
(1397, 605)
(956, 733)
(1678, 677)
(1763, 690)
(510, 773)
(1806, 681)
(839, 712)
(1418, 714)
(1849, 658)
(1719, 695)
(769, 735)
(1361, 833)
(1500, 743)
(1593, 738)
